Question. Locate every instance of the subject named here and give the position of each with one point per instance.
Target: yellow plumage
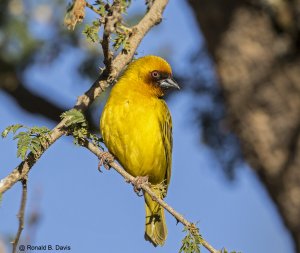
(137, 129)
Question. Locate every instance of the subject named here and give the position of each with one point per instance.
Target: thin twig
(152, 17)
(113, 17)
(145, 186)
(92, 8)
(21, 215)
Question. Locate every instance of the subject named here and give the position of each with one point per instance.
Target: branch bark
(21, 215)
(151, 18)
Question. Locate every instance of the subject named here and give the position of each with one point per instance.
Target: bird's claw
(137, 184)
(105, 159)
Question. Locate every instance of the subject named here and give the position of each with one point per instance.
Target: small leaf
(23, 145)
(92, 33)
(36, 146)
(102, 10)
(20, 135)
(73, 116)
(21, 152)
(192, 241)
(12, 128)
(16, 127)
(4, 133)
(32, 139)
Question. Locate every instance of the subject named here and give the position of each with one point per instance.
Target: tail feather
(155, 227)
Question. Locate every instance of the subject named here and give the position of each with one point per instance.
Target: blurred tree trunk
(255, 46)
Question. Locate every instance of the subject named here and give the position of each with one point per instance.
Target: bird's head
(151, 75)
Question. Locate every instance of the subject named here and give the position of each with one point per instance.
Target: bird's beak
(169, 83)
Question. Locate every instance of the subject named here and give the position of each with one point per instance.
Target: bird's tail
(155, 228)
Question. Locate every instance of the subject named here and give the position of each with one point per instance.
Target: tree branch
(145, 186)
(21, 215)
(151, 18)
(112, 18)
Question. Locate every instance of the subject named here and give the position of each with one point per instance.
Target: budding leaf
(12, 128)
(192, 241)
(92, 31)
(31, 139)
(73, 117)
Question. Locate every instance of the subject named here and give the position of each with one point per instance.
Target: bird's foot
(137, 184)
(105, 159)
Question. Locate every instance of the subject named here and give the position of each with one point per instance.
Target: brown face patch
(157, 76)
(153, 79)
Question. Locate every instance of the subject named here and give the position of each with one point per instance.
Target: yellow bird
(136, 126)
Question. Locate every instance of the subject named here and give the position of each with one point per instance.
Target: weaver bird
(136, 127)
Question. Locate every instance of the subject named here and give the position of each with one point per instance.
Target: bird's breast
(131, 130)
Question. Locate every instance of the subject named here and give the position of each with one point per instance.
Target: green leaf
(21, 152)
(102, 10)
(96, 140)
(20, 135)
(12, 128)
(121, 40)
(77, 126)
(92, 31)
(224, 250)
(16, 127)
(125, 4)
(32, 139)
(23, 145)
(73, 116)
(36, 146)
(4, 133)
(192, 241)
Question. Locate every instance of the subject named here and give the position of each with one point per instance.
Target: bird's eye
(155, 74)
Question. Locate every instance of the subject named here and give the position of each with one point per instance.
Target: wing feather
(166, 130)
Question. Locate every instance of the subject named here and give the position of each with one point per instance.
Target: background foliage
(43, 67)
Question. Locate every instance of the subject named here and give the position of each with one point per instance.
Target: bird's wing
(166, 130)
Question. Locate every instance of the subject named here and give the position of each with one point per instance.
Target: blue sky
(93, 212)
